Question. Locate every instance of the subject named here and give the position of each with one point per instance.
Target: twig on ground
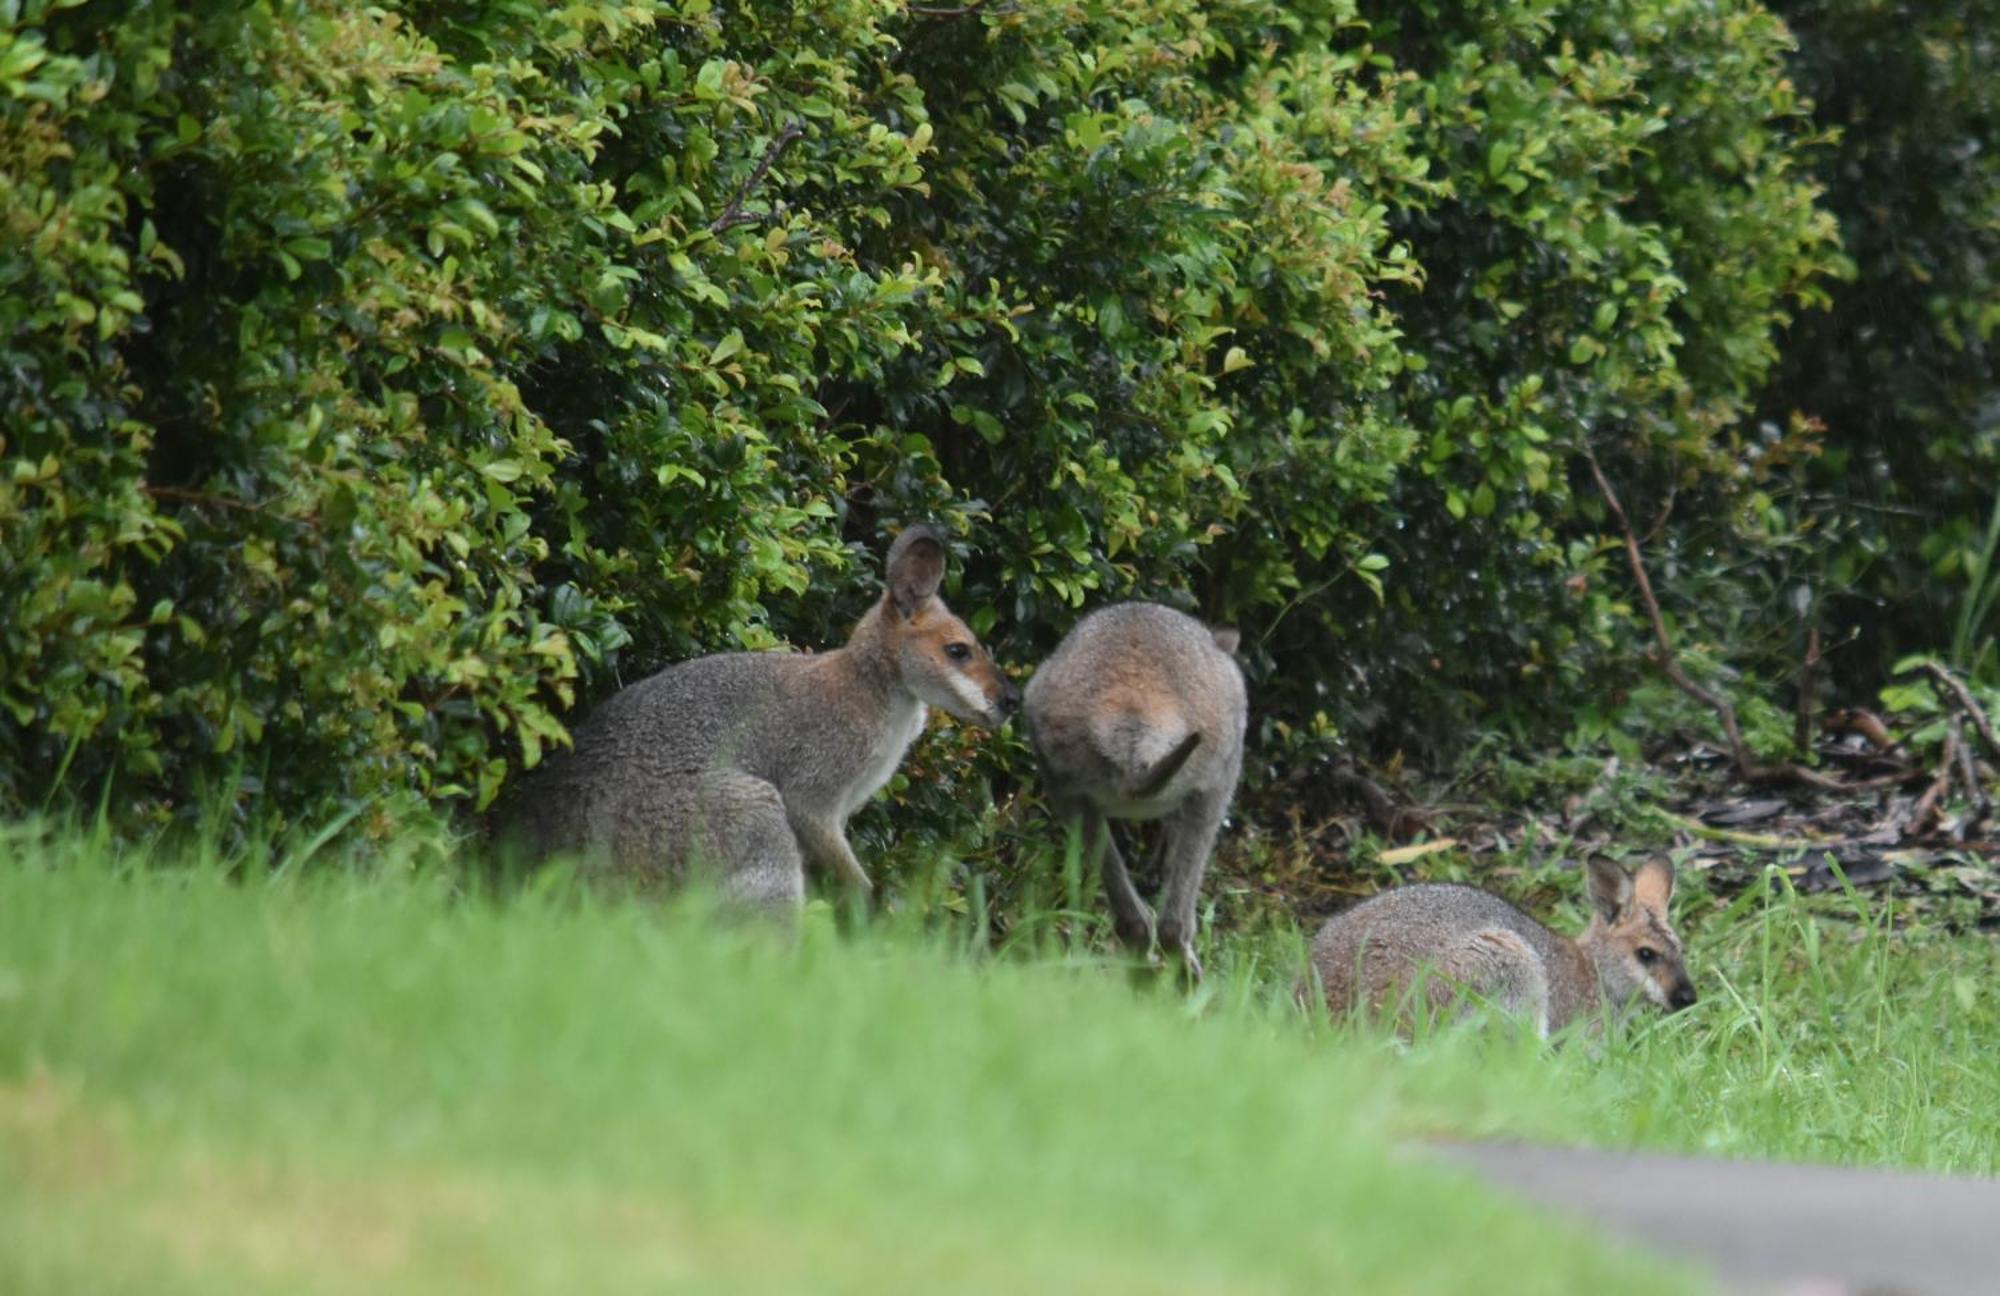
(1966, 702)
(1735, 837)
(734, 215)
(1747, 767)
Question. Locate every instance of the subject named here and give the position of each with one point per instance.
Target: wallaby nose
(1683, 996)
(1010, 696)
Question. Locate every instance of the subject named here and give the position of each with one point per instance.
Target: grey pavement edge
(1770, 1228)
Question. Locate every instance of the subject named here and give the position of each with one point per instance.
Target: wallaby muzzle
(1681, 996)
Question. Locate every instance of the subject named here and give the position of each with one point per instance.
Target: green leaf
(708, 82)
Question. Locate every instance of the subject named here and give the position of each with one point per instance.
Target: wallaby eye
(1647, 956)
(957, 651)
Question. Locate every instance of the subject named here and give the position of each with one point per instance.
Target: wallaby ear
(1653, 884)
(915, 568)
(1227, 638)
(1610, 887)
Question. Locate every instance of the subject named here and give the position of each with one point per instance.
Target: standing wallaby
(1462, 939)
(1139, 714)
(749, 764)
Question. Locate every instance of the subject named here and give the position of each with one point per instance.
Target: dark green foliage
(1904, 369)
(377, 376)
(1620, 224)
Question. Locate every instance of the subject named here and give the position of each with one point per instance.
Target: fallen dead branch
(1736, 837)
(1928, 805)
(1747, 767)
(1966, 703)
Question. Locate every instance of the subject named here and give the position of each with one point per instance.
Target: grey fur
(1139, 714)
(1457, 939)
(746, 766)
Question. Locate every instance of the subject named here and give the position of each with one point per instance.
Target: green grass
(1844, 1028)
(342, 1081)
(1830, 1030)
(374, 1078)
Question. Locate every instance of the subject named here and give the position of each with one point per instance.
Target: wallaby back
(1138, 705)
(1140, 714)
(1454, 939)
(756, 760)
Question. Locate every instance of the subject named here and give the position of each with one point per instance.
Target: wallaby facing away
(749, 764)
(1460, 937)
(1139, 714)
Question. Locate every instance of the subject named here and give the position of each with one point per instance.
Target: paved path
(1766, 1228)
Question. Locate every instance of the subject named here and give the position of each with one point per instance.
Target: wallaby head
(933, 654)
(1630, 941)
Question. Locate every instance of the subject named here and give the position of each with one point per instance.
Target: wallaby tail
(1163, 773)
(1130, 735)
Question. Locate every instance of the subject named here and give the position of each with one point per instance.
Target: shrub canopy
(382, 381)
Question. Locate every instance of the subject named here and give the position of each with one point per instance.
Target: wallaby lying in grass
(1139, 714)
(1463, 939)
(749, 764)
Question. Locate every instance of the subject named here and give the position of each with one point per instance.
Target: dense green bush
(1903, 372)
(1620, 224)
(378, 377)
(301, 298)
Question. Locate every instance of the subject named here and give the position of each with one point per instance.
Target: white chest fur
(900, 727)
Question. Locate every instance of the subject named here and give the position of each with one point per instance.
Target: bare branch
(1663, 654)
(1808, 676)
(961, 11)
(202, 499)
(1666, 511)
(1394, 822)
(734, 215)
(1968, 774)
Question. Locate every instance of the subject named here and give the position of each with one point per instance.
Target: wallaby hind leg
(722, 826)
(1501, 968)
(745, 825)
(1191, 830)
(1130, 916)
